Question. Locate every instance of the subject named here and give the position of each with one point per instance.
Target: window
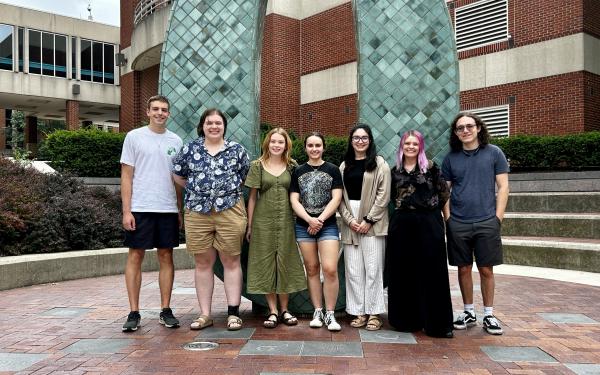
(60, 55)
(97, 61)
(73, 57)
(6, 47)
(481, 23)
(21, 44)
(35, 52)
(47, 54)
(496, 119)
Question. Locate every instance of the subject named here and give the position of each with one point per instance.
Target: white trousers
(364, 273)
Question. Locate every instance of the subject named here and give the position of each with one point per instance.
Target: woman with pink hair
(416, 268)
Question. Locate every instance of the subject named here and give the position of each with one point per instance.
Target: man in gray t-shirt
(474, 169)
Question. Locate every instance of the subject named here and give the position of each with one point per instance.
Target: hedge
(566, 152)
(84, 152)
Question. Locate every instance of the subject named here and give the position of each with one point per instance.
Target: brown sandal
(359, 321)
(374, 323)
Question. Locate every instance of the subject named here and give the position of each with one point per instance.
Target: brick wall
(127, 7)
(332, 116)
(534, 21)
(72, 114)
(280, 73)
(136, 88)
(546, 106)
(591, 17)
(592, 101)
(126, 110)
(327, 39)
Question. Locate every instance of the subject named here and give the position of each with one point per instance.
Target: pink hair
(421, 158)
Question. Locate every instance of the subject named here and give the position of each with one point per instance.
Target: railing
(146, 7)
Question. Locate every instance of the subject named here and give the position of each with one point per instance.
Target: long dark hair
(371, 155)
(483, 136)
(209, 112)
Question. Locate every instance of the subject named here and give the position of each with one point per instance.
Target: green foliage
(43, 213)
(17, 124)
(572, 152)
(86, 153)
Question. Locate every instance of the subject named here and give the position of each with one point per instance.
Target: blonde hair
(287, 153)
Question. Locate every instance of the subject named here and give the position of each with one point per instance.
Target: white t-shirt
(150, 154)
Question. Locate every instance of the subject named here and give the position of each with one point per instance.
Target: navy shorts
(153, 230)
(481, 239)
(329, 231)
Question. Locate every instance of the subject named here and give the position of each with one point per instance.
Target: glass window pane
(47, 54)
(21, 43)
(109, 63)
(60, 51)
(86, 60)
(74, 58)
(6, 47)
(97, 61)
(35, 54)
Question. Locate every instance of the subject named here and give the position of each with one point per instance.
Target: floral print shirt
(417, 191)
(212, 181)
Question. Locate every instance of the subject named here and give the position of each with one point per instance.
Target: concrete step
(578, 254)
(567, 225)
(555, 181)
(559, 202)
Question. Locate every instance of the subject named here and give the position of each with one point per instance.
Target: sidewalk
(74, 327)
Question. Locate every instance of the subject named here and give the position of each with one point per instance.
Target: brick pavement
(74, 327)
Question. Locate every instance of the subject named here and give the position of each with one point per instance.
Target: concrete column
(72, 117)
(31, 132)
(3, 129)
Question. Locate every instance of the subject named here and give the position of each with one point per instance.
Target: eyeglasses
(363, 139)
(461, 128)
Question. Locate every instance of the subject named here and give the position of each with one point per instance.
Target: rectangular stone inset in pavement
(332, 349)
(19, 361)
(66, 312)
(289, 373)
(386, 336)
(98, 346)
(517, 354)
(272, 347)
(215, 333)
(567, 318)
(583, 368)
(147, 314)
(191, 291)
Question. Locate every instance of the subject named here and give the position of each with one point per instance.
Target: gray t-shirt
(473, 177)
(151, 154)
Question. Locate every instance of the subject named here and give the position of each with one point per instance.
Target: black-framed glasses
(462, 128)
(357, 139)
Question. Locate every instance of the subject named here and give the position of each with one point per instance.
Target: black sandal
(291, 320)
(270, 323)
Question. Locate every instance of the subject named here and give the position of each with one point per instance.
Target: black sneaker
(133, 322)
(167, 319)
(492, 325)
(464, 320)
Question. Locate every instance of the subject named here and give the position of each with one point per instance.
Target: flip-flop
(291, 320)
(203, 321)
(234, 323)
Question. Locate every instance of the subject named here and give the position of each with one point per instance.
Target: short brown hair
(158, 98)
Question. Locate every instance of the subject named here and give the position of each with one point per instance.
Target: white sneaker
(332, 324)
(317, 320)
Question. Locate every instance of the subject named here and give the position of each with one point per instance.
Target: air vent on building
(481, 23)
(496, 119)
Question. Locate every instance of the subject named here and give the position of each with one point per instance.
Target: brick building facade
(544, 72)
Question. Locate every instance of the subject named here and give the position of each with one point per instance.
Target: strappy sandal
(270, 323)
(290, 320)
(234, 323)
(374, 323)
(359, 321)
(203, 321)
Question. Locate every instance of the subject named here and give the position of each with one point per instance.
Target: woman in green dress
(274, 265)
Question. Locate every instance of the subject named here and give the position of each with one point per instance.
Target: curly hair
(483, 136)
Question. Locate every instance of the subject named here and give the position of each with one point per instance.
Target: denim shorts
(328, 232)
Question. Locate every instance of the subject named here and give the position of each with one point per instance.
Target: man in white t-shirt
(152, 206)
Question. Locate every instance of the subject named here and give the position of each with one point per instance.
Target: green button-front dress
(274, 263)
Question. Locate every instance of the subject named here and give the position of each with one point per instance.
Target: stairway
(553, 220)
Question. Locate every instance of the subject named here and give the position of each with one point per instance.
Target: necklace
(315, 167)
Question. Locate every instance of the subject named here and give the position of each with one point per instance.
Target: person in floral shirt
(212, 170)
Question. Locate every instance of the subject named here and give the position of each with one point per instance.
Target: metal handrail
(146, 7)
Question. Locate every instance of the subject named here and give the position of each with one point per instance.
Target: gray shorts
(481, 238)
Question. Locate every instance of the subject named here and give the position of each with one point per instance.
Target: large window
(6, 47)
(97, 61)
(481, 23)
(35, 52)
(47, 54)
(21, 44)
(73, 57)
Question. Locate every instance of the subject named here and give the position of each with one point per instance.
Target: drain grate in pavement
(201, 346)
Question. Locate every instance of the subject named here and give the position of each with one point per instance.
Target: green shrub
(85, 153)
(572, 152)
(41, 213)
